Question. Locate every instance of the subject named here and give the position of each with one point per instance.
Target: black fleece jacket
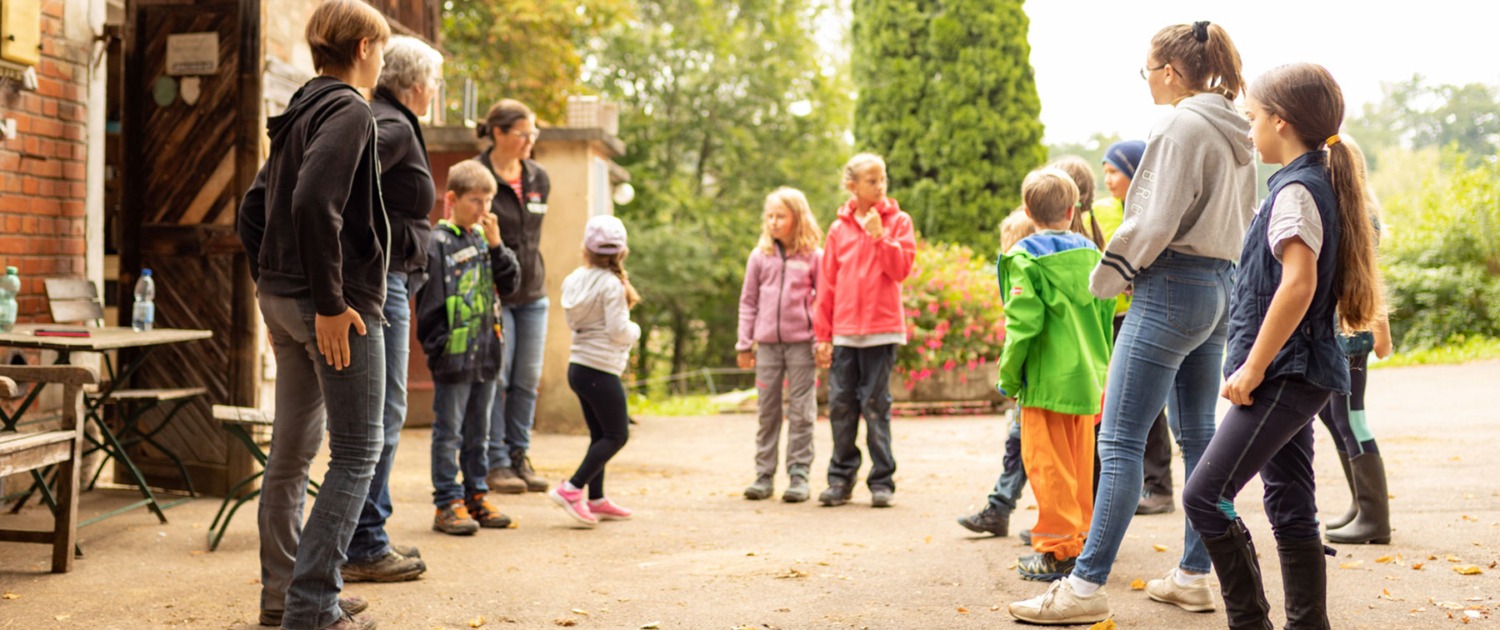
(313, 223)
(521, 226)
(406, 185)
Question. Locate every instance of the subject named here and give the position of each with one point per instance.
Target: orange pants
(1057, 450)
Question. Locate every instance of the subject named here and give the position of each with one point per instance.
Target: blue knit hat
(1125, 155)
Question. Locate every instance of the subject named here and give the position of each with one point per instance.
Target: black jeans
(859, 384)
(1273, 436)
(603, 399)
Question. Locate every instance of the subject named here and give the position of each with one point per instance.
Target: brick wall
(42, 169)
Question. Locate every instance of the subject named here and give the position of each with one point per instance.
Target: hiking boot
(485, 512)
(1195, 597)
(350, 606)
(798, 491)
(987, 521)
(350, 622)
(836, 494)
(1062, 605)
(521, 464)
(572, 502)
(763, 488)
(1044, 567)
(409, 551)
(454, 519)
(606, 510)
(505, 481)
(881, 497)
(1152, 503)
(391, 567)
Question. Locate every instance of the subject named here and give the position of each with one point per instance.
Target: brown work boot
(454, 519)
(484, 512)
(350, 606)
(350, 622)
(391, 567)
(505, 481)
(522, 465)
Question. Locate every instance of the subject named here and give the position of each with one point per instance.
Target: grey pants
(794, 363)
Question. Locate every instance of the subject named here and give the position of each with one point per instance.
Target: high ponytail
(1307, 98)
(1203, 55)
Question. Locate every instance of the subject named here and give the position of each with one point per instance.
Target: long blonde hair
(806, 235)
(615, 264)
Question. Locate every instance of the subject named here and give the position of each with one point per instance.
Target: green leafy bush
(953, 314)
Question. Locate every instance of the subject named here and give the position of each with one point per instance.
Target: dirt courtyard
(697, 555)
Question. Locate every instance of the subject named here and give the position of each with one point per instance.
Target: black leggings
(1345, 415)
(603, 399)
(1271, 437)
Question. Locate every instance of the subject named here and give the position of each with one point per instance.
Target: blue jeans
(370, 540)
(520, 374)
(1013, 478)
(1170, 351)
(300, 564)
(458, 439)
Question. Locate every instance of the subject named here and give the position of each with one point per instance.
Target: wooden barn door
(191, 147)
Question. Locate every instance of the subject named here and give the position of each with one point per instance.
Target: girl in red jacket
(858, 324)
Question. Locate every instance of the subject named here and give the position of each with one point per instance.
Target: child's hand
(745, 359)
(491, 225)
(1239, 385)
(873, 226)
(824, 354)
(1382, 347)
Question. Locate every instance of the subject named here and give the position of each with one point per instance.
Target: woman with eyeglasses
(1186, 213)
(521, 205)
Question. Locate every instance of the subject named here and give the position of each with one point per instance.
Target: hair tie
(1200, 31)
(1332, 140)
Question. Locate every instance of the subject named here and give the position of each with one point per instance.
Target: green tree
(947, 94)
(522, 49)
(723, 101)
(1414, 115)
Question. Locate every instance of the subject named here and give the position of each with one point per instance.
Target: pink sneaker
(605, 510)
(572, 502)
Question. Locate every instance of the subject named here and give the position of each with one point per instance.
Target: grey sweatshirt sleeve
(1166, 184)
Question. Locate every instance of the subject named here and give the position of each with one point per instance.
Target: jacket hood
(591, 284)
(1065, 261)
(1221, 114)
(305, 99)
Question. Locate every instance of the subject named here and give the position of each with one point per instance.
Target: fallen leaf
(1417, 566)
(750, 554)
(927, 539)
(1138, 585)
(1468, 569)
(1159, 548)
(477, 622)
(10, 596)
(1431, 557)
(1384, 559)
(565, 622)
(580, 611)
(651, 626)
(1471, 518)
(962, 610)
(792, 573)
(1107, 624)
(1453, 558)
(1351, 565)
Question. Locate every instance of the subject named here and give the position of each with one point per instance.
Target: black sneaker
(763, 488)
(836, 494)
(1044, 567)
(881, 497)
(987, 521)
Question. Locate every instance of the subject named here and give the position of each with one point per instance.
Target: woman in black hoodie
(316, 235)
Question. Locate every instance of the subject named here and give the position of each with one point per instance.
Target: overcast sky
(1086, 52)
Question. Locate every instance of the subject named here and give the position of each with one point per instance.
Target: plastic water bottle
(145, 302)
(10, 285)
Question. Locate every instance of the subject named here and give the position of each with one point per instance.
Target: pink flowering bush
(953, 315)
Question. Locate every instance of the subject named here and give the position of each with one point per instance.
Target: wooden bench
(34, 450)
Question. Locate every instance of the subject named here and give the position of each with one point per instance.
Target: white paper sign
(193, 53)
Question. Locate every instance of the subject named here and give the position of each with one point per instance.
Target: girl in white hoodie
(597, 299)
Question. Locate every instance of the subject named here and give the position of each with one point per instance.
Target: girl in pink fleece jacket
(859, 323)
(776, 308)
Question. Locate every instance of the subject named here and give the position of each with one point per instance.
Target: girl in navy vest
(1308, 266)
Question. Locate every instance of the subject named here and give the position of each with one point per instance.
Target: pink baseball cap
(604, 234)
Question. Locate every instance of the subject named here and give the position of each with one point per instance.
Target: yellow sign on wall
(21, 31)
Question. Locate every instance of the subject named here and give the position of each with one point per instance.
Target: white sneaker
(1196, 597)
(1061, 605)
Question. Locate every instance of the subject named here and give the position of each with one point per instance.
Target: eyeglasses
(529, 135)
(1146, 72)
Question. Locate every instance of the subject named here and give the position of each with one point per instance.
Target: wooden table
(98, 340)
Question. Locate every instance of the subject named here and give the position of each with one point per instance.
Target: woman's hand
(745, 359)
(333, 336)
(824, 354)
(1239, 385)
